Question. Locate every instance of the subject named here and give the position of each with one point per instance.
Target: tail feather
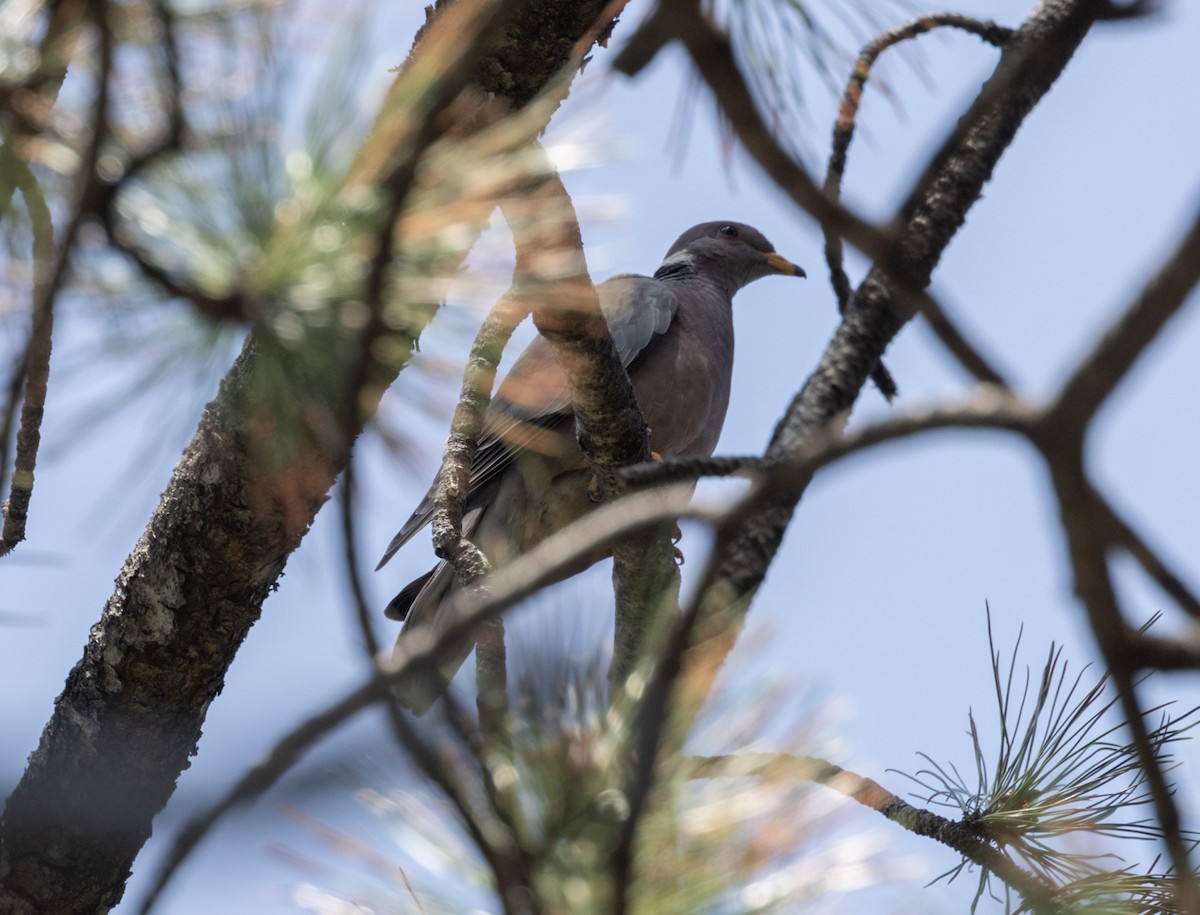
(423, 602)
(398, 606)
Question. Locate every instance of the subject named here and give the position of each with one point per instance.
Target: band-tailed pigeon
(674, 334)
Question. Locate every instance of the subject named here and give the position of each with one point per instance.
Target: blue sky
(874, 610)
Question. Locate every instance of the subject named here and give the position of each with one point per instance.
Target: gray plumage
(674, 334)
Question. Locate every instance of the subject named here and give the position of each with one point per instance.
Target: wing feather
(534, 402)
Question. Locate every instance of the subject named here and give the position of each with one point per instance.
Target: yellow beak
(781, 264)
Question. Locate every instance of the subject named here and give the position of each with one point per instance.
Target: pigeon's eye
(729, 231)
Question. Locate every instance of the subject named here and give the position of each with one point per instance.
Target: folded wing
(532, 409)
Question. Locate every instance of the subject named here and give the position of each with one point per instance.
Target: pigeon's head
(730, 254)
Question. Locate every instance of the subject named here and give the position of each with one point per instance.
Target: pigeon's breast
(683, 387)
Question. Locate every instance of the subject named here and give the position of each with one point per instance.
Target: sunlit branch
(955, 835)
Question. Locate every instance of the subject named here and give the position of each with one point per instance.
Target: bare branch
(1123, 535)
(1093, 585)
(843, 131)
(1110, 360)
(454, 477)
(988, 408)
(1164, 654)
(968, 354)
(955, 835)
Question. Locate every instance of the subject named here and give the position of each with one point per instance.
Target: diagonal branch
(454, 481)
(1122, 534)
(50, 264)
(1094, 588)
(1114, 355)
(953, 834)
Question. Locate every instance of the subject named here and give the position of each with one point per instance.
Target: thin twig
(677, 470)
(35, 351)
(1123, 535)
(987, 408)
(358, 594)
(485, 830)
(49, 275)
(843, 130)
(843, 133)
(955, 835)
(956, 343)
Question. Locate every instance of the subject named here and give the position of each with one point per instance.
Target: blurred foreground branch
(239, 503)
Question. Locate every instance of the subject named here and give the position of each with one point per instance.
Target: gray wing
(638, 309)
(535, 398)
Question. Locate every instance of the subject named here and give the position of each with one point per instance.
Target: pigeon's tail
(424, 603)
(400, 605)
